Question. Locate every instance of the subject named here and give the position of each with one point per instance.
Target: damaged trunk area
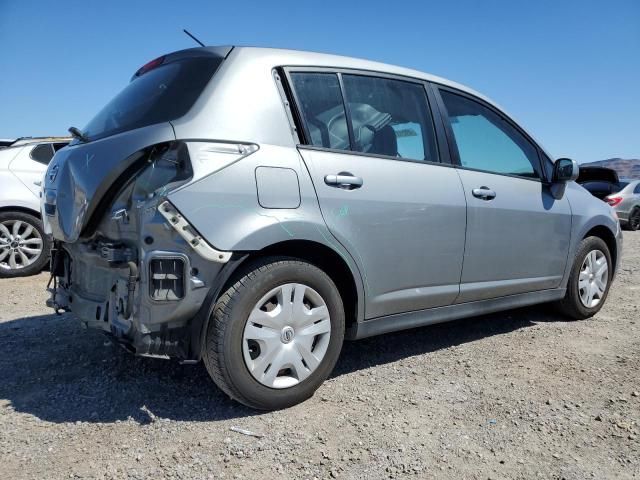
(138, 270)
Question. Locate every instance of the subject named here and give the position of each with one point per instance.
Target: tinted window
(637, 189)
(390, 117)
(591, 174)
(599, 189)
(322, 109)
(487, 142)
(618, 187)
(58, 146)
(42, 153)
(160, 95)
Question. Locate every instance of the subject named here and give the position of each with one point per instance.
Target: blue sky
(568, 71)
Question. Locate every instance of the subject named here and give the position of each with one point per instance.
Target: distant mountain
(626, 168)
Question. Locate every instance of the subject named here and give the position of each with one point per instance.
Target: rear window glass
(597, 174)
(599, 189)
(160, 95)
(621, 186)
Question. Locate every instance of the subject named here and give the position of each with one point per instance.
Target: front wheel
(589, 280)
(275, 334)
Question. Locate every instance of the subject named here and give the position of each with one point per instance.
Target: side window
(637, 189)
(322, 108)
(59, 146)
(42, 153)
(390, 117)
(487, 142)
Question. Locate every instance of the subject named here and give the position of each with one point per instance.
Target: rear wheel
(24, 248)
(634, 219)
(589, 280)
(275, 334)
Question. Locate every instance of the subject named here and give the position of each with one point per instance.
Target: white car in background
(24, 247)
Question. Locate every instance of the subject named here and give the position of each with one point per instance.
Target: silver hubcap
(286, 336)
(20, 244)
(594, 275)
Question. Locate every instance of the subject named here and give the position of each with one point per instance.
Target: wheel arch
(15, 208)
(331, 262)
(609, 238)
(327, 259)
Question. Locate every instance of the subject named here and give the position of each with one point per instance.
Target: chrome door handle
(484, 193)
(343, 180)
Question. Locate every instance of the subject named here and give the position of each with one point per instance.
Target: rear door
(30, 164)
(517, 232)
(382, 189)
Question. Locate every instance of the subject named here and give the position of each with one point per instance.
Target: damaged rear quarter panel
(225, 209)
(224, 206)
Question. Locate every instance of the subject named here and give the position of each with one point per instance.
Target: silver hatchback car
(254, 207)
(626, 203)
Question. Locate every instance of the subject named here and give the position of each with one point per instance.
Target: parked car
(626, 202)
(24, 247)
(623, 195)
(253, 207)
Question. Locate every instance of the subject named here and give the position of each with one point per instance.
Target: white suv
(24, 247)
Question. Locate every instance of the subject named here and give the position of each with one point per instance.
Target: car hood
(81, 174)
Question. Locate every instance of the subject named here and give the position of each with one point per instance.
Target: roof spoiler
(218, 52)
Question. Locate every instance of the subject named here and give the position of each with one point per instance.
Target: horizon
(550, 66)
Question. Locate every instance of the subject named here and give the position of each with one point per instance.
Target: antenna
(194, 38)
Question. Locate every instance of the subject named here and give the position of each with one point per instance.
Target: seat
(385, 142)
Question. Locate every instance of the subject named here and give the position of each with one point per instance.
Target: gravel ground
(520, 394)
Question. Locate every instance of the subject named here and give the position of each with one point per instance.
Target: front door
(517, 232)
(382, 191)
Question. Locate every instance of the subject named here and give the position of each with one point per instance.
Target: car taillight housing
(613, 201)
(167, 166)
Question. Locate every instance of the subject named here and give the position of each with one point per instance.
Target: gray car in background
(254, 207)
(626, 203)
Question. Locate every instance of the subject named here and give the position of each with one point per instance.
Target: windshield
(160, 95)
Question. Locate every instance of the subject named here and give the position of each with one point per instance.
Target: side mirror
(565, 170)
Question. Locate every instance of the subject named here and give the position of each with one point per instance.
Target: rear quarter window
(42, 153)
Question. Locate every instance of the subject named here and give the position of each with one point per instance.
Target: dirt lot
(521, 394)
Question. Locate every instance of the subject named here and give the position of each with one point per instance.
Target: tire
(633, 223)
(573, 304)
(237, 365)
(22, 260)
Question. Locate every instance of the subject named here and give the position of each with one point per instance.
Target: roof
(35, 140)
(290, 57)
(285, 57)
